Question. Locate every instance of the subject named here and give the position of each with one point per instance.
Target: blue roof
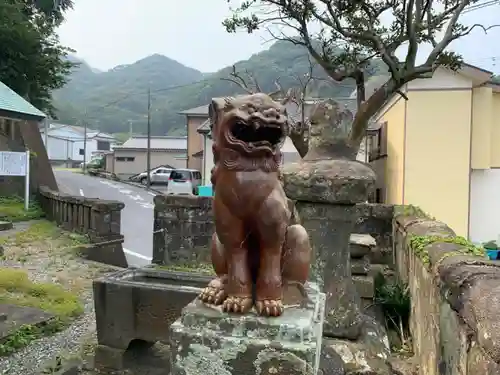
(10, 101)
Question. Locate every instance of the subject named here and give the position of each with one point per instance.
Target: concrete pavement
(137, 216)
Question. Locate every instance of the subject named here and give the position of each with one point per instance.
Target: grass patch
(26, 334)
(45, 231)
(74, 170)
(395, 301)
(17, 289)
(42, 231)
(12, 209)
(204, 268)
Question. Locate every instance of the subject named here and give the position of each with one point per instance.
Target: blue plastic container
(205, 191)
(492, 254)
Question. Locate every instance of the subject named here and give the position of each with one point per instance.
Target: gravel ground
(48, 259)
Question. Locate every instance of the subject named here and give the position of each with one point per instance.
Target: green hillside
(111, 100)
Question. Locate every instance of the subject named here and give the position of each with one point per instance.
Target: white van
(184, 181)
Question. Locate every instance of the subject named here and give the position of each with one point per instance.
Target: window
(162, 171)
(125, 158)
(377, 147)
(81, 152)
(377, 196)
(180, 175)
(103, 145)
(197, 175)
(7, 127)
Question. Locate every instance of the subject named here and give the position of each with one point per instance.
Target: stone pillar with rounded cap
(326, 185)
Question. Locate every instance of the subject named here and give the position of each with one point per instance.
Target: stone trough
(139, 304)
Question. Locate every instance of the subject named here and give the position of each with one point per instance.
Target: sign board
(13, 163)
(17, 164)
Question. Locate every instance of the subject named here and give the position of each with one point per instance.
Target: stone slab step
(5, 225)
(361, 244)
(360, 266)
(365, 285)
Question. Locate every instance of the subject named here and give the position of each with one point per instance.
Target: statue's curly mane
(248, 132)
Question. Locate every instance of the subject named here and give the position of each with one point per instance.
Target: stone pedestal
(361, 246)
(205, 340)
(326, 192)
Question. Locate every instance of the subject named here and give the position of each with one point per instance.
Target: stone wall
(98, 219)
(455, 299)
(183, 228)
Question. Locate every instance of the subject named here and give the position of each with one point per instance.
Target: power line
(478, 6)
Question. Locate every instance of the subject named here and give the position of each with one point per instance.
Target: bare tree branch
(238, 80)
(352, 33)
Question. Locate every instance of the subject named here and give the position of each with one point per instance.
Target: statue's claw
(214, 293)
(269, 307)
(239, 305)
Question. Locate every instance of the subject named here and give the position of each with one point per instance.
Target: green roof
(12, 102)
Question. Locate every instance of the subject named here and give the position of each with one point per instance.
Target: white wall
(59, 149)
(208, 160)
(443, 79)
(484, 205)
(91, 147)
(66, 143)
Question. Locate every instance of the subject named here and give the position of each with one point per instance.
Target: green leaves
(32, 61)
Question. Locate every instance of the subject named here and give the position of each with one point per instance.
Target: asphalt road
(137, 216)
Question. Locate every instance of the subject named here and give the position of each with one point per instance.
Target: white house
(65, 144)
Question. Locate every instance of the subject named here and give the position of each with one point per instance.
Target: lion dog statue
(258, 247)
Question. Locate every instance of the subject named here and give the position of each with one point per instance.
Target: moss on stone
(204, 268)
(419, 246)
(411, 210)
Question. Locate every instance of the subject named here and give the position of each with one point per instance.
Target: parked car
(184, 181)
(158, 176)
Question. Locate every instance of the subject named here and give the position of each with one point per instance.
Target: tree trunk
(300, 142)
(368, 109)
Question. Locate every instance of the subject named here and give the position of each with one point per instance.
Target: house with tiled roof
(130, 158)
(20, 124)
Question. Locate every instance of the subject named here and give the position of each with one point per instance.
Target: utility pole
(130, 129)
(149, 140)
(85, 145)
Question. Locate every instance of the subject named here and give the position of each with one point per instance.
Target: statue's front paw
(214, 293)
(269, 307)
(239, 305)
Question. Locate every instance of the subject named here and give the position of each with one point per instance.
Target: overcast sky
(107, 33)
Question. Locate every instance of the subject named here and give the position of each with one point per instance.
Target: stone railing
(455, 299)
(187, 224)
(99, 220)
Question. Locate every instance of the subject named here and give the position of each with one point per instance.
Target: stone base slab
(13, 317)
(205, 340)
(369, 354)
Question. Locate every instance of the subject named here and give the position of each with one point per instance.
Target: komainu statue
(258, 248)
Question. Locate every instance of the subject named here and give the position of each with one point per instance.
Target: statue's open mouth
(257, 134)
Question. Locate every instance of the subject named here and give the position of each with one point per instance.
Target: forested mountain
(112, 100)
